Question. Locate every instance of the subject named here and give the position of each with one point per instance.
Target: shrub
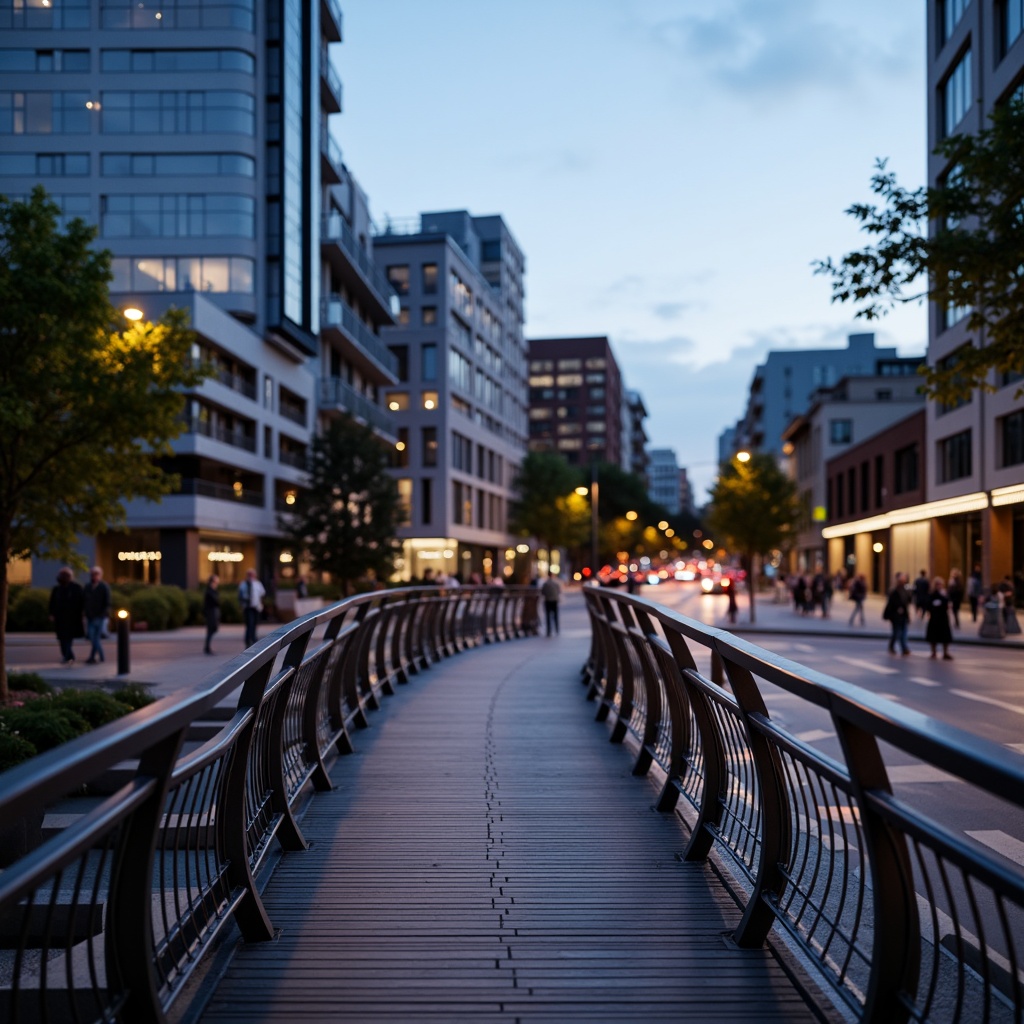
(14, 749)
(230, 609)
(195, 607)
(177, 606)
(29, 611)
(134, 695)
(95, 706)
(28, 681)
(150, 606)
(43, 725)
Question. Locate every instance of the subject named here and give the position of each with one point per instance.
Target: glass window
(398, 277)
(952, 12)
(429, 278)
(401, 354)
(184, 273)
(957, 94)
(429, 442)
(179, 112)
(1011, 438)
(954, 462)
(428, 363)
(1011, 18)
(35, 14)
(840, 431)
(429, 400)
(428, 315)
(397, 400)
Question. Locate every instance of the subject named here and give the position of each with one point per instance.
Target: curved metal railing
(903, 916)
(108, 919)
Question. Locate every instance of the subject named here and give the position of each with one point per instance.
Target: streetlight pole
(593, 519)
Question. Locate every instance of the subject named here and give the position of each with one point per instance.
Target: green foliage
(152, 607)
(88, 403)
(177, 606)
(134, 695)
(230, 606)
(30, 611)
(347, 516)
(43, 725)
(195, 607)
(544, 507)
(960, 244)
(31, 681)
(14, 749)
(95, 706)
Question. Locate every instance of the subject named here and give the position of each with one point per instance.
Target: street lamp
(743, 456)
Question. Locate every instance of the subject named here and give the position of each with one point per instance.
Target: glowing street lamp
(743, 456)
(133, 313)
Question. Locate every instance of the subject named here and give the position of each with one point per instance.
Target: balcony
(330, 20)
(236, 383)
(336, 395)
(232, 436)
(350, 261)
(331, 161)
(295, 459)
(359, 343)
(222, 492)
(330, 84)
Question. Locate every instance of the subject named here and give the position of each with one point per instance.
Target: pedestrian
(922, 591)
(632, 583)
(897, 614)
(858, 591)
(974, 590)
(956, 595)
(301, 588)
(1010, 623)
(826, 596)
(938, 631)
(733, 606)
(250, 596)
(211, 610)
(67, 605)
(96, 608)
(800, 595)
(552, 594)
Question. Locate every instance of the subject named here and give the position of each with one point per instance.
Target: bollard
(123, 633)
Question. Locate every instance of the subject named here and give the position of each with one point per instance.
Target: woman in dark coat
(938, 630)
(211, 610)
(67, 606)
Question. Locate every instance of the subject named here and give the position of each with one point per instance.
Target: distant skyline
(670, 171)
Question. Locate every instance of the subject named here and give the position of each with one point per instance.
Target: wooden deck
(486, 855)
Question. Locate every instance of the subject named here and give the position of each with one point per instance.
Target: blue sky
(670, 168)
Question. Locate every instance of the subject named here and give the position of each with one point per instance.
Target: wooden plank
(487, 855)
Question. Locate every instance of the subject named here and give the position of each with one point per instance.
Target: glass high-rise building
(197, 136)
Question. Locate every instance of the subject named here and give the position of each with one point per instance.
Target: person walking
(858, 591)
(733, 604)
(96, 608)
(897, 614)
(250, 595)
(211, 610)
(922, 591)
(551, 591)
(974, 590)
(67, 604)
(938, 630)
(956, 595)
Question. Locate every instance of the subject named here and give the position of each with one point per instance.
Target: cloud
(670, 310)
(766, 50)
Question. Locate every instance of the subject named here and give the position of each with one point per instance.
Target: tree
(88, 403)
(546, 506)
(755, 508)
(961, 243)
(347, 516)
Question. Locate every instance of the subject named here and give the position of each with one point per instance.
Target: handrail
(903, 917)
(109, 918)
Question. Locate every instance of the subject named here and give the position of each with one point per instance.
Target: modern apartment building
(784, 383)
(634, 435)
(975, 464)
(576, 400)
(459, 400)
(664, 479)
(197, 137)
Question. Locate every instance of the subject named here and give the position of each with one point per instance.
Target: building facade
(975, 464)
(460, 399)
(664, 475)
(634, 435)
(576, 400)
(197, 138)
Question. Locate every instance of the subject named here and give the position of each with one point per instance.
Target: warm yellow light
(743, 456)
(631, 515)
(428, 404)
(523, 548)
(878, 547)
(289, 498)
(582, 491)
(663, 525)
(122, 613)
(400, 446)
(709, 544)
(133, 313)
(393, 406)
(670, 532)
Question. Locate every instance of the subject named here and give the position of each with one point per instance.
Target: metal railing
(336, 229)
(337, 393)
(336, 312)
(109, 918)
(904, 917)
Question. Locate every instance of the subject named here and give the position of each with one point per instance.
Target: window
(429, 442)
(864, 487)
(177, 216)
(943, 407)
(398, 277)
(840, 487)
(952, 12)
(397, 401)
(178, 112)
(570, 364)
(840, 431)
(45, 113)
(905, 469)
(182, 274)
(178, 14)
(401, 354)
(426, 501)
(429, 399)
(67, 14)
(954, 457)
(45, 165)
(145, 61)
(405, 500)
(429, 278)
(403, 317)
(957, 93)
(428, 363)
(176, 165)
(400, 456)
(1010, 431)
(879, 480)
(1011, 17)
(44, 60)
(428, 315)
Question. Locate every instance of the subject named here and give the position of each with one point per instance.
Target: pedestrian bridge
(354, 823)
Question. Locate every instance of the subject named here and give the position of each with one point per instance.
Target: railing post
(896, 941)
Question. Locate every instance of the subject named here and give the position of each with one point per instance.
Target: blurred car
(715, 583)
